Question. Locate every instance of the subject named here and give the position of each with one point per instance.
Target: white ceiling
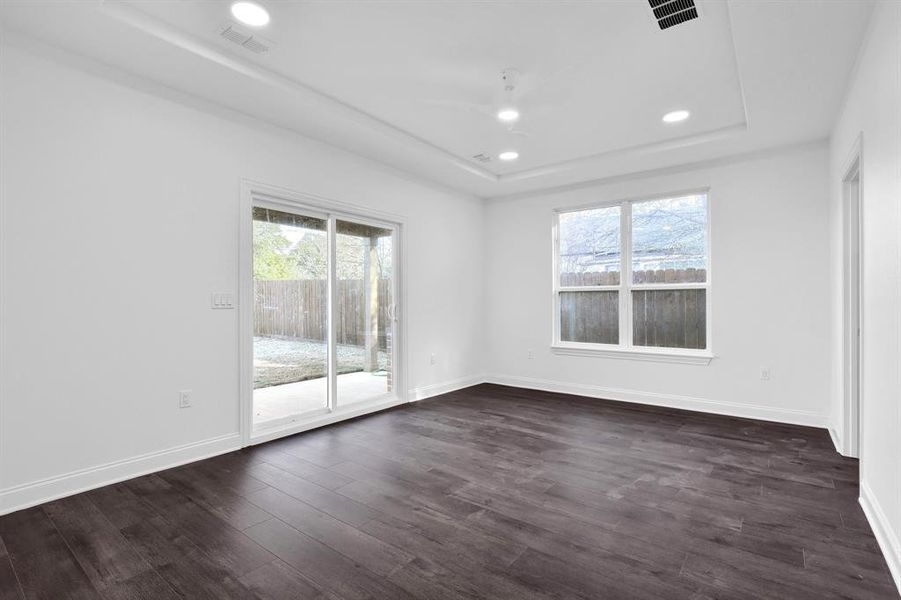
(413, 83)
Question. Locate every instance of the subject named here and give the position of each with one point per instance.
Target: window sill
(646, 354)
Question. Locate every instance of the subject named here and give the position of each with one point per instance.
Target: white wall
(873, 108)
(770, 273)
(119, 218)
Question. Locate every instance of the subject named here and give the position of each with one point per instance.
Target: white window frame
(626, 349)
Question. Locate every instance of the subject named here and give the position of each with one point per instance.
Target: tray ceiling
(416, 84)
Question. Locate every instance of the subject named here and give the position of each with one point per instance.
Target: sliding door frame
(255, 193)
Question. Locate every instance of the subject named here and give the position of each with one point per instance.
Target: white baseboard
(835, 440)
(444, 387)
(888, 541)
(52, 488)
(732, 409)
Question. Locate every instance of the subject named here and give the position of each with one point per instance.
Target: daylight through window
(634, 274)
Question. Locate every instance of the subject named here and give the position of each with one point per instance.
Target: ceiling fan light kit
(676, 116)
(508, 114)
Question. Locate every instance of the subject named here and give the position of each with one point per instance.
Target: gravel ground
(286, 360)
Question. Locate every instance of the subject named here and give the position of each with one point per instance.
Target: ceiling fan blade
(552, 89)
(450, 104)
(459, 105)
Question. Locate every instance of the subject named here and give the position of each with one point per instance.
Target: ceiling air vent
(483, 158)
(253, 43)
(673, 12)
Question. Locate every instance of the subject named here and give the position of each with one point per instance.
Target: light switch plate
(222, 300)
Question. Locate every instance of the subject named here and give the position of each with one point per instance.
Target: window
(634, 276)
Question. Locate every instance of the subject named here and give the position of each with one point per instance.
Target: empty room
(450, 299)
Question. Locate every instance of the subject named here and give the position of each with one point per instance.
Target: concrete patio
(280, 401)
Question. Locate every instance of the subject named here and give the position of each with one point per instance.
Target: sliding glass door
(365, 328)
(324, 315)
(290, 322)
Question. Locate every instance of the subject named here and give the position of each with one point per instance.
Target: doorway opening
(852, 263)
(320, 324)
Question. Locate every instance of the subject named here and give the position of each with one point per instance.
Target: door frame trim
(252, 191)
(851, 419)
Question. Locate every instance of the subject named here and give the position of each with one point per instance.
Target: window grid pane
(590, 247)
(670, 318)
(589, 317)
(669, 240)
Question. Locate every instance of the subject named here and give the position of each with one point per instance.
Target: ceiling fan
(516, 97)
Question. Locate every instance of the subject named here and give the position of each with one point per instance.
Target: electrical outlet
(531, 354)
(765, 373)
(184, 399)
(433, 358)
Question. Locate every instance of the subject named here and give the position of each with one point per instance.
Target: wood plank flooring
(490, 492)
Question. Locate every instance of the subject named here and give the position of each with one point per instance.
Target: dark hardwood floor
(490, 492)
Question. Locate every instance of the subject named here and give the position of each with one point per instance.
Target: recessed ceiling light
(508, 155)
(508, 115)
(250, 13)
(676, 116)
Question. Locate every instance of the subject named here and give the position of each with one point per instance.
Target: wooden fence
(297, 309)
(649, 276)
(671, 318)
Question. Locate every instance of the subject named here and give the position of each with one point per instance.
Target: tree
(270, 253)
(309, 256)
(276, 257)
